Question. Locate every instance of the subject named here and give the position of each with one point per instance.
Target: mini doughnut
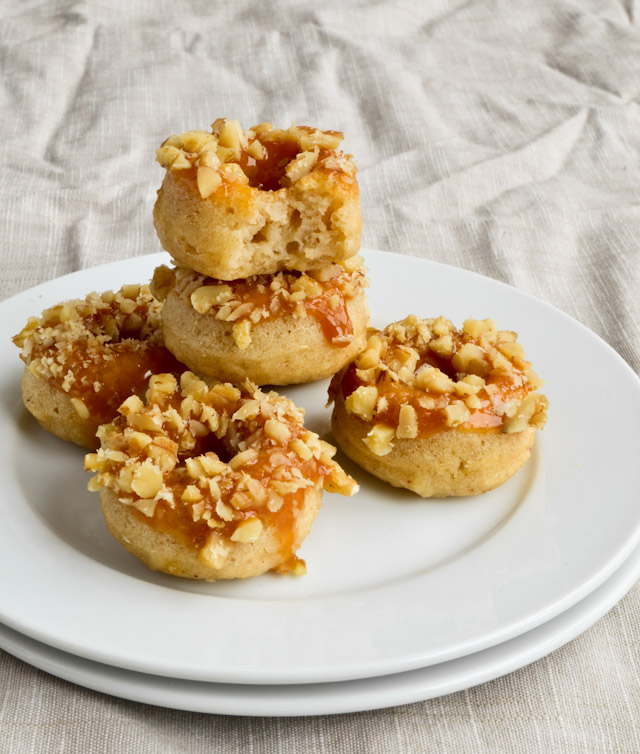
(438, 410)
(238, 203)
(280, 329)
(84, 357)
(212, 481)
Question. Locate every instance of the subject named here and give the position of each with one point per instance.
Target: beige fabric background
(498, 136)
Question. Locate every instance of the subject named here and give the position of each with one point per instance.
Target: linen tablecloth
(498, 136)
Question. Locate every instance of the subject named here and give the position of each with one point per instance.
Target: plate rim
(359, 695)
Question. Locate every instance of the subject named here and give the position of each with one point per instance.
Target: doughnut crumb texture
(212, 481)
(236, 203)
(439, 410)
(279, 329)
(83, 357)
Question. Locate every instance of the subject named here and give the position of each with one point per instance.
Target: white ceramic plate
(394, 582)
(331, 698)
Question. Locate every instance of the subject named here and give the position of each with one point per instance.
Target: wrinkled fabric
(500, 136)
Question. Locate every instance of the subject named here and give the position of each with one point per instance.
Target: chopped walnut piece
(441, 326)
(301, 449)
(380, 439)
(302, 165)
(248, 410)
(298, 569)
(216, 551)
(277, 430)
(168, 155)
(160, 386)
(193, 386)
(147, 481)
(132, 405)
(474, 328)
(247, 531)
(362, 401)
(407, 423)
(370, 357)
(233, 173)
(456, 413)
(232, 136)
(208, 180)
(471, 359)
(472, 402)
(431, 378)
(145, 505)
(207, 296)
(513, 351)
(339, 481)
(250, 455)
(81, 409)
(532, 411)
(191, 494)
(256, 150)
(262, 128)
(308, 137)
(224, 511)
(443, 345)
(241, 332)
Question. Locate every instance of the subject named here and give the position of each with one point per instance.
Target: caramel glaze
(335, 323)
(105, 377)
(432, 420)
(267, 174)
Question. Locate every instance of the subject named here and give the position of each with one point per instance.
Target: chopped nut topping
(456, 413)
(379, 440)
(241, 332)
(443, 345)
(471, 359)
(407, 423)
(220, 155)
(208, 180)
(419, 376)
(362, 401)
(302, 165)
(216, 552)
(147, 481)
(81, 409)
(276, 430)
(207, 296)
(247, 531)
(532, 411)
(158, 456)
(432, 379)
(98, 350)
(248, 302)
(256, 150)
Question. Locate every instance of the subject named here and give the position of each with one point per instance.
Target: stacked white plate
(405, 599)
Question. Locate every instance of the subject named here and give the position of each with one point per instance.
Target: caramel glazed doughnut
(238, 203)
(84, 357)
(279, 329)
(212, 481)
(437, 410)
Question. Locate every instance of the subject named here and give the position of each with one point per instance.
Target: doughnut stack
(201, 473)
(264, 227)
